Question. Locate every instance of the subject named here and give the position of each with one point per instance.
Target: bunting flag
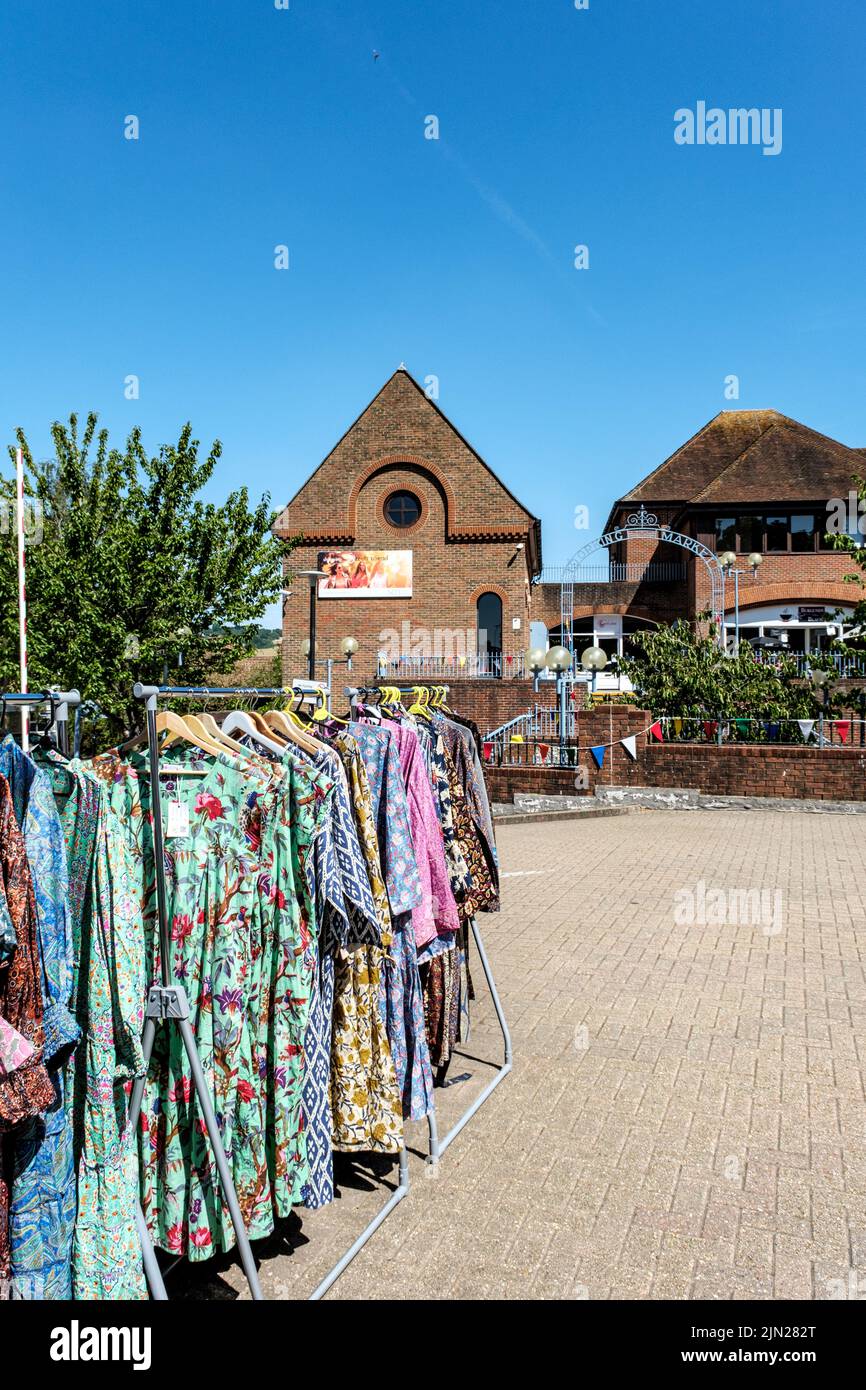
(487, 751)
(656, 731)
(544, 750)
(806, 726)
(630, 746)
(742, 727)
(844, 728)
(710, 726)
(598, 754)
(771, 729)
(678, 727)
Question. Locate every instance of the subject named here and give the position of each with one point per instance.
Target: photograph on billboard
(365, 574)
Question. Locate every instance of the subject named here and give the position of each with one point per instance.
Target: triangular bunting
(843, 727)
(656, 731)
(806, 726)
(710, 726)
(678, 727)
(598, 754)
(630, 746)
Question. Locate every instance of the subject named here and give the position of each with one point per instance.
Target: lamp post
(348, 646)
(535, 661)
(558, 660)
(728, 562)
(821, 681)
(593, 659)
(313, 577)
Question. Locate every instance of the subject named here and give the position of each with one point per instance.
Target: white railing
(847, 667)
(635, 572)
(470, 667)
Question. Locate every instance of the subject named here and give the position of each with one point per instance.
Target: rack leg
(170, 1004)
(228, 1187)
(152, 1271)
(397, 1196)
(433, 1127)
(507, 1064)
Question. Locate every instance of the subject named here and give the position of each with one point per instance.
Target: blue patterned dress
(42, 1212)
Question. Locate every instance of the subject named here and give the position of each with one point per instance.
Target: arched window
(489, 623)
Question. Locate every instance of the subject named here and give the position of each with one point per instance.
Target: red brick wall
(492, 703)
(836, 774)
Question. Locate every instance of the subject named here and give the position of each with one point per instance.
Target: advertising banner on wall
(366, 574)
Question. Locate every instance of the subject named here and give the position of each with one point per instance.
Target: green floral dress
(243, 947)
(108, 996)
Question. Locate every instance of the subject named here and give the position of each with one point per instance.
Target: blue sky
(261, 127)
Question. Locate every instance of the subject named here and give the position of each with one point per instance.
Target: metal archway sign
(643, 524)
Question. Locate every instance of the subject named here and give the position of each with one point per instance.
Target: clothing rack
(438, 1146)
(168, 1001)
(60, 701)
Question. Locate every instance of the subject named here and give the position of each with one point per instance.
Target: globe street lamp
(728, 562)
(558, 660)
(348, 646)
(593, 659)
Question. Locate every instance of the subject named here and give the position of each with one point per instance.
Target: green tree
(677, 671)
(856, 548)
(132, 568)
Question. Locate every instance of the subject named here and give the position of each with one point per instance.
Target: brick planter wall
(830, 774)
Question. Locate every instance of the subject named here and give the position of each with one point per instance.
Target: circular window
(402, 509)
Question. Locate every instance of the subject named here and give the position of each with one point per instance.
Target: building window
(726, 533)
(776, 532)
(750, 530)
(489, 619)
(402, 509)
(803, 532)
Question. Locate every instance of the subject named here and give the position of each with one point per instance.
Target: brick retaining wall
(827, 774)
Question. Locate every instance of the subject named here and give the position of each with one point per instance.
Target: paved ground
(686, 1117)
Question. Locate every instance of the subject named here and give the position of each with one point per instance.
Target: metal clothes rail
(169, 1001)
(60, 702)
(438, 1146)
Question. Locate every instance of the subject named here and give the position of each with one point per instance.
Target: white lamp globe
(593, 659)
(558, 659)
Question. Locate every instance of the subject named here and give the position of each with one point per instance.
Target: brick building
(749, 481)
(424, 545)
(430, 556)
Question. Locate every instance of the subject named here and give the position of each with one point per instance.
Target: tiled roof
(752, 456)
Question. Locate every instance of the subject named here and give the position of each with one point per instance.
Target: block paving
(686, 1117)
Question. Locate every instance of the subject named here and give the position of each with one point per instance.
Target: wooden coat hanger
(213, 730)
(279, 723)
(239, 721)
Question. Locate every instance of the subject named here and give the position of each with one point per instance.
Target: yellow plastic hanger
(420, 704)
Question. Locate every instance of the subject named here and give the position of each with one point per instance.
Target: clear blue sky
(260, 126)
